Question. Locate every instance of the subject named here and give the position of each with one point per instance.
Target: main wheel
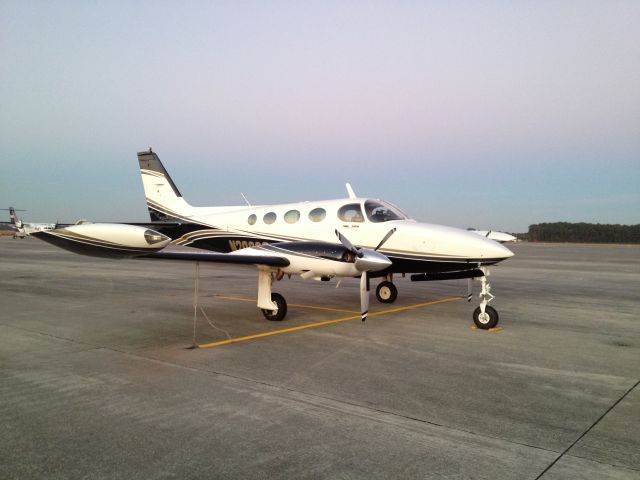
(276, 315)
(488, 319)
(386, 292)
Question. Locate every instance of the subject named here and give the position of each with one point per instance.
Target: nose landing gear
(484, 316)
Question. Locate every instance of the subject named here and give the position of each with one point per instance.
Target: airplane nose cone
(493, 249)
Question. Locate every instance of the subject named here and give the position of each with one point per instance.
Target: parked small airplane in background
(493, 235)
(22, 229)
(376, 239)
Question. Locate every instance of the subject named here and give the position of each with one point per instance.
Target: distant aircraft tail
(164, 201)
(15, 221)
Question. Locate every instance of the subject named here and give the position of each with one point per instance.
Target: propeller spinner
(367, 260)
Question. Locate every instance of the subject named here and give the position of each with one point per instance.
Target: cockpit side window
(351, 212)
(378, 211)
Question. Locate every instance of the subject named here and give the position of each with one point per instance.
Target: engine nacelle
(112, 240)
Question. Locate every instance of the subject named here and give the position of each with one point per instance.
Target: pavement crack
(566, 450)
(51, 335)
(615, 465)
(339, 405)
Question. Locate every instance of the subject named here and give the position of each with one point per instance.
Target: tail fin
(164, 200)
(15, 221)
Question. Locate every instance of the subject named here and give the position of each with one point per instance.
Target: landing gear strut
(273, 305)
(484, 316)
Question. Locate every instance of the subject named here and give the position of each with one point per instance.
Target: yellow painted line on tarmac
(327, 322)
(228, 297)
(492, 330)
(311, 307)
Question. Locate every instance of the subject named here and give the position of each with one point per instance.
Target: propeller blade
(386, 237)
(364, 296)
(345, 241)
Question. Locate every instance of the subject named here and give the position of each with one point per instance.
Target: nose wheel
(487, 319)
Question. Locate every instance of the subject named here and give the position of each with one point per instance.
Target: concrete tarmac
(96, 380)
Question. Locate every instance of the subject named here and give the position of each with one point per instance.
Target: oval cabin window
(292, 216)
(269, 218)
(317, 214)
(252, 219)
(351, 213)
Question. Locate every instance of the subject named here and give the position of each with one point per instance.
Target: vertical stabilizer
(15, 221)
(163, 197)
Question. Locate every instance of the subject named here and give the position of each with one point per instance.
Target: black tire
(386, 292)
(489, 320)
(276, 315)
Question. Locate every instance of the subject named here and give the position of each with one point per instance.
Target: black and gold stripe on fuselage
(215, 239)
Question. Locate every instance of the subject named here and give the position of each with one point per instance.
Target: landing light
(154, 237)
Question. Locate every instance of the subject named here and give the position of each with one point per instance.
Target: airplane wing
(136, 241)
(238, 259)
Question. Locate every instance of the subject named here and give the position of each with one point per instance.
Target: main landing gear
(484, 316)
(386, 292)
(278, 314)
(273, 305)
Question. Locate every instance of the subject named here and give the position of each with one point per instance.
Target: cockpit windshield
(378, 211)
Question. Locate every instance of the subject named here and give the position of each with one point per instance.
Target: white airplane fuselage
(415, 247)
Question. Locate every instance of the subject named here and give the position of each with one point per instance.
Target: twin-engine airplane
(376, 239)
(494, 235)
(22, 229)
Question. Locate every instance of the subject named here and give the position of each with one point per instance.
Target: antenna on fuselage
(350, 191)
(245, 199)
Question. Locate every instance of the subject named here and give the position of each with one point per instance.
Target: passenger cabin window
(317, 214)
(292, 216)
(382, 212)
(269, 218)
(252, 219)
(351, 213)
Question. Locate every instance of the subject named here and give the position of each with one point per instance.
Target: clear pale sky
(485, 114)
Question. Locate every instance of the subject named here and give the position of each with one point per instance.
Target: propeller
(364, 296)
(345, 241)
(384, 240)
(366, 261)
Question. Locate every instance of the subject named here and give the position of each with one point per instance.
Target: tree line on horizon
(582, 233)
